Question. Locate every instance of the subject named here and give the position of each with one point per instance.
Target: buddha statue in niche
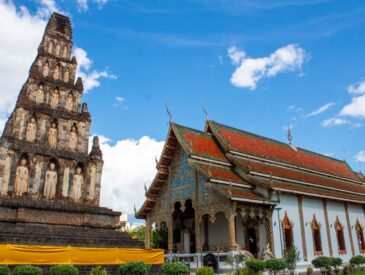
(53, 102)
(52, 135)
(72, 140)
(69, 102)
(66, 76)
(64, 55)
(39, 96)
(58, 50)
(77, 185)
(45, 70)
(31, 130)
(50, 182)
(21, 178)
(56, 73)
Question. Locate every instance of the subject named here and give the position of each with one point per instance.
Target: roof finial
(168, 112)
(290, 136)
(205, 112)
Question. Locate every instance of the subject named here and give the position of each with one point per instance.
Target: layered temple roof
(236, 162)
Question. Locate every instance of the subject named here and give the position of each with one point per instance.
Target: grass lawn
(358, 273)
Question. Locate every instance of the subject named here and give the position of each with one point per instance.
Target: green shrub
(255, 266)
(357, 261)
(4, 270)
(205, 271)
(98, 270)
(177, 268)
(322, 262)
(27, 270)
(63, 270)
(134, 268)
(336, 263)
(243, 271)
(291, 257)
(275, 265)
(309, 270)
(347, 269)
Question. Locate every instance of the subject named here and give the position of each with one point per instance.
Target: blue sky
(176, 53)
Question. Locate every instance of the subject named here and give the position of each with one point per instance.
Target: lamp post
(280, 233)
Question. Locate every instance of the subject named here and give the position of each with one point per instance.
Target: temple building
(49, 181)
(226, 189)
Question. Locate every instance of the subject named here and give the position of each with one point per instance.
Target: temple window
(316, 233)
(340, 236)
(360, 236)
(287, 226)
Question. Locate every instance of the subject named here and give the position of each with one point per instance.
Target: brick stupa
(49, 183)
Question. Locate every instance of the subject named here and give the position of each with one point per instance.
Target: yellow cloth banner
(55, 255)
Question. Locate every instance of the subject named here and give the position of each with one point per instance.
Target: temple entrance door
(251, 236)
(184, 228)
(252, 241)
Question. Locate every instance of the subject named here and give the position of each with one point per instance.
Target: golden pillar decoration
(269, 231)
(230, 215)
(198, 245)
(147, 240)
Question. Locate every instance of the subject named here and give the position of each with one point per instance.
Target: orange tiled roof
(244, 142)
(199, 143)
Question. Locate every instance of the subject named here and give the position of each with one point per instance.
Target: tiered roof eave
(238, 161)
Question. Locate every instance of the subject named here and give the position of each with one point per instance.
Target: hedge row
(54, 270)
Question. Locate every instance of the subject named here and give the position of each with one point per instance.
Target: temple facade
(49, 179)
(226, 189)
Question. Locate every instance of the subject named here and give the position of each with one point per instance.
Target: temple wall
(240, 239)
(289, 204)
(312, 206)
(182, 178)
(356, 212)
(218, 232)
(338, 209)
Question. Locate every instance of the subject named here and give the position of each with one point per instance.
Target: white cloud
(19, 36)
(101, 3)
(356, 108)
(293, 108)
(91, 79)
(83, 5)
(46, 8)
(336, 121)
(360, 156)
(128, 166)
(120, 99)
(236, 55)
(358, 89)
(252, 70)
(321, 109)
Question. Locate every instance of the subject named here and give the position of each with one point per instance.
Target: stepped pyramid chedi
(49, 183)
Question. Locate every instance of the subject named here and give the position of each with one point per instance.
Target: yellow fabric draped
(54, 255)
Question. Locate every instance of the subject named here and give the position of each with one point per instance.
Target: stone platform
(41, 222)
